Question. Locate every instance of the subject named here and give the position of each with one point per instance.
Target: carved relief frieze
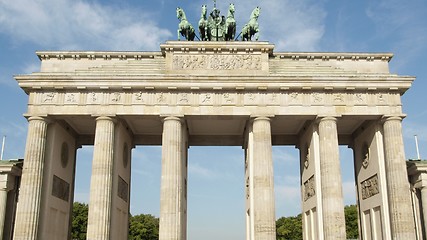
(72, 98)
(206, 99)
(217, 62)
(94, 98)
(295, 98)
(50, 97)
(249, 98)
(228, 98)
(370, 187)
(184, 99)
(139, 97)
(317, 98)
(161, 98)
(359, 98)
(116, 98)
(272, 99)
(382, 99)
(338, 98)
(309, 188)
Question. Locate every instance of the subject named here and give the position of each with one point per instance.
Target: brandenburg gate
(222, 93)
(215, 93)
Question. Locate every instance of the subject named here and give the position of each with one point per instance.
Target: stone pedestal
(401, 218)
(330, 172)
(101, 181)
(28, 209)
(173, 192)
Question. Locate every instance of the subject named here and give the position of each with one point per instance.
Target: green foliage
(143, 227)
(289, 228)
(351, 224)
(79, 222)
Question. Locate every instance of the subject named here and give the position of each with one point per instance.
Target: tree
(79, 222)
(351, 221)
(143, 227)
(289, 228)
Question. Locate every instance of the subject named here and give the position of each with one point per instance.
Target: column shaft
(28, 209)
(3, 203)
(331, 184)
(424, 205)
(263, 189)
(101, 185)
(173, 190)
(401, 219)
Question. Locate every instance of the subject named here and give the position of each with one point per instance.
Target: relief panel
(370, 187)
(216, 62)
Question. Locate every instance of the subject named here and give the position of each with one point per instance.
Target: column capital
(173, 118)
(265, 118)
(39, 118)
(321, 118)
(386, 118)
(106, 117)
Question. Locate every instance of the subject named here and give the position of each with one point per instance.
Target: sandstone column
(173, 182)
(331, 185)
(263, 183)
(424, 204)
(401, 219)
(4, 188)
(100, 199)
(28, 209)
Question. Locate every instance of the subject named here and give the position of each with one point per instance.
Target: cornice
(96, 55)
(362, 83)
(338, 56)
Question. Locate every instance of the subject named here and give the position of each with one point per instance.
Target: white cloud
(78, 24)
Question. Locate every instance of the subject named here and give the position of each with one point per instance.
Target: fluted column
(401, 219)
(263, 189)
(101, 184)
(28, 209)
(424, 204)
(173, 190)
(3, 201)
(331, 184)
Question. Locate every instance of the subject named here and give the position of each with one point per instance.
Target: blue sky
(216, 178)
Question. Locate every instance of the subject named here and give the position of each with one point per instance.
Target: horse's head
(256, 12)
(204, 10)
(231, 8)
(179, 13)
